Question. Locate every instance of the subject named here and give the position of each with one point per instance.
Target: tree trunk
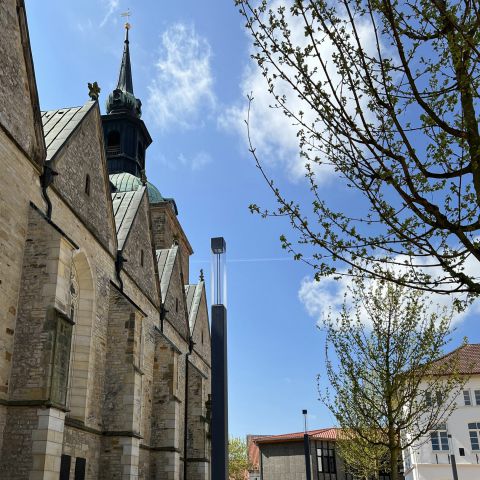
(394, 463)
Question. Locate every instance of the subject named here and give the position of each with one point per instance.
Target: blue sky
(191, 69)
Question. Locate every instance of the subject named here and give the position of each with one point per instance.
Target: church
(104, 337)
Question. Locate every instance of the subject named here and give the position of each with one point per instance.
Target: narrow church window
(176, 305)
(87, 184)
(65, 461)
(202, 337)
(80, 464)
(141, 258)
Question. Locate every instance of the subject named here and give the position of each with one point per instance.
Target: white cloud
(195, 162)
(112, 6)
(183, 86)
(274, 135)
(327, 295)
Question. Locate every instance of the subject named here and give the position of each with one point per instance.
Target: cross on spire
(125, 82)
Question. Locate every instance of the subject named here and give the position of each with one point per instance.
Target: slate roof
(465, 360)
(194, 297)
(125, 207)
(59, 124)
(166, 260)
(320, 434)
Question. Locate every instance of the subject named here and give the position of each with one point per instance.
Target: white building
(458, 439)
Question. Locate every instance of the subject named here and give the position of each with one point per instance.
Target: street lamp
(219, 361)
(306, 447)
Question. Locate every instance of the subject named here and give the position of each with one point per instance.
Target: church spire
(126, 136)
(125, 82)
(122, 99)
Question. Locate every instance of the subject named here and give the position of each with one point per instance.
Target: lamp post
(306, 447)
(452, 458)
(219, 362)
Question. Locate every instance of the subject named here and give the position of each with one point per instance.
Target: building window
(474, 432)
(326, 458)
(87, 184)
(436, 398)
(141, 258)
(439, 438)
(176, 305)
(477, 397)
(466, 397)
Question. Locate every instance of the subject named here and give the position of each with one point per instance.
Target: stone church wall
(82, 156)
(20, 184)
(139, 240)
(18, 96)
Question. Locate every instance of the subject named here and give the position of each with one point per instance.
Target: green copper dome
(126, 182)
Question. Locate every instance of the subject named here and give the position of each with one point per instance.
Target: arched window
(113, 142)
(87, 184)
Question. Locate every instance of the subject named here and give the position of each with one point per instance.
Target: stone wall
(19, 184)
(175, 301)
(121, 399)
(44, 286)
(201, 331)
(166, 229)
(84, 155)
(19, 115)
(139, 240)
(81, 444)
(16, 458)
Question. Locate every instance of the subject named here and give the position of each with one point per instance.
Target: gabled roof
(321, 434)
(166, 261)
(193, 294)
(125, 207)
(465, 360)
(59, 124)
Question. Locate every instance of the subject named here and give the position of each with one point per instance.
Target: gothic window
(87, 184)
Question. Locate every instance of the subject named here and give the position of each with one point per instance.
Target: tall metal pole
(452, 459)
(306, 447)
(219, 363)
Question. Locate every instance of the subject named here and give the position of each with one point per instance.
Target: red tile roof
(465, 360)
(320, 434)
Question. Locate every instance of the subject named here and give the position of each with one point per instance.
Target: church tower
(126, 136)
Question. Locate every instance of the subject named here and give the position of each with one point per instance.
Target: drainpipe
(46, 179)
(190, 349)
